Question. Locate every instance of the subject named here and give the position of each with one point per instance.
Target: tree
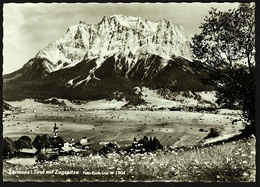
(23, 142)
(41, 141)
(38, 142)
(25, 138)
(57, 142)
(8, 147)
(47, 140)
(41, 156)
(226, 45)
(143, 141)
(20, 144)
(156, 144)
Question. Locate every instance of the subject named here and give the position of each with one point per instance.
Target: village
(46, 131)
(46, 148)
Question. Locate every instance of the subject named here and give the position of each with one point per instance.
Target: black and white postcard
(129, 92)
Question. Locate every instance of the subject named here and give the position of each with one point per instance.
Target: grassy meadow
(233, 162)
(229, 162)
(173, 128)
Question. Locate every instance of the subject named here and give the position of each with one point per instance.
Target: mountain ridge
(111, 36)
(96, 60)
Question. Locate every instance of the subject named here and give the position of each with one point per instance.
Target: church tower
(55, 131)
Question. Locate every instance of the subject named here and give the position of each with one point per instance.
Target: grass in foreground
(231, 162)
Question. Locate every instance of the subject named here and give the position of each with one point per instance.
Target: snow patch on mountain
(90, 75)
(84, 80)
(70, 82)
(117, 34)
(134, 22)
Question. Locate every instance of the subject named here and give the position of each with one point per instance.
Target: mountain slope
(114, 35)
(94, 61)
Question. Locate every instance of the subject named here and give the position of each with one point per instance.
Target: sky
(28, 27)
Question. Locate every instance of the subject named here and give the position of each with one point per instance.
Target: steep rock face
(93, 61)
(118, 34)
(85, 81)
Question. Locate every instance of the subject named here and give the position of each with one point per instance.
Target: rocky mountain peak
(93, 61)
(116, 34)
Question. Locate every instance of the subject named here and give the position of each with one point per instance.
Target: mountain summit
(117, 53)
(117, 34)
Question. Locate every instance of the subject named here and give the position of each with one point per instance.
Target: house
(82, 144)
(27, 152)
(69, 150)
(109, 147)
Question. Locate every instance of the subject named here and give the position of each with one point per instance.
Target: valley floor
(228, 162)
(173, 128)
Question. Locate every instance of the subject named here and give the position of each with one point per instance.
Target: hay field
(173, 128)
